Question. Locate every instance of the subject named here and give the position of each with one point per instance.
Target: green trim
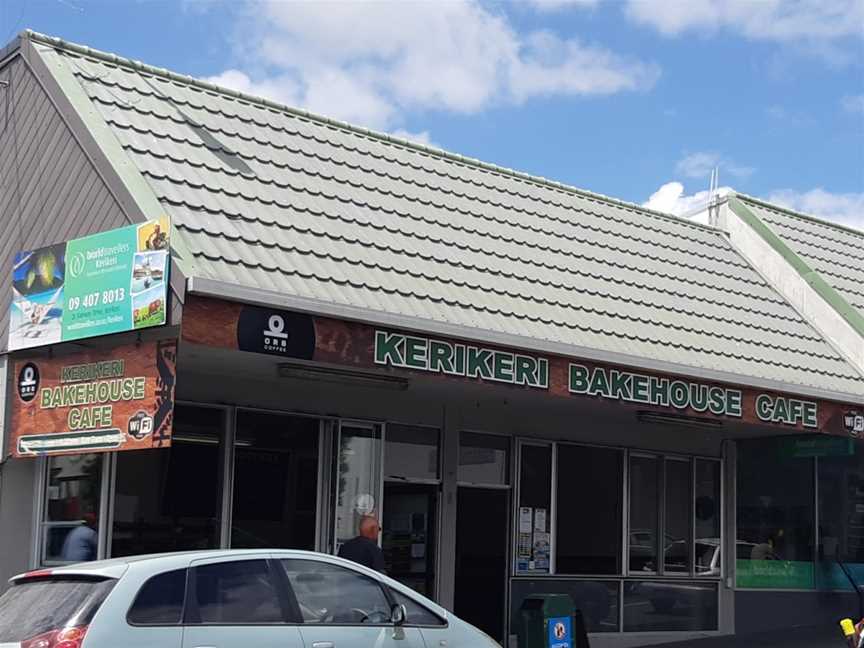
(813, 278)
(846, 229)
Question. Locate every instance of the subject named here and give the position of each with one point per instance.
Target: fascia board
(244, 294)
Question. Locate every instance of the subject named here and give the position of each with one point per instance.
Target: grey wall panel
(49, 189)
(17, 478)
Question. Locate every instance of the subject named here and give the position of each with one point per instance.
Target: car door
(237, 603)
(344, 608)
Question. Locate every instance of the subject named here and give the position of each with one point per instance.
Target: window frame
(190, 605)
(624, 573)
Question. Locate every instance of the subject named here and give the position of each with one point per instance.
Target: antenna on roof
(713, 197)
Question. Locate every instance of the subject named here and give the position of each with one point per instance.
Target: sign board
(560, 632)
(120, 399)
(222, 324)
(110, 282)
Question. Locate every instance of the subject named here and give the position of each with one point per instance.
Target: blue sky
(633, 98)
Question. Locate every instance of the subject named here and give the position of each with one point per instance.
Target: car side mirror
(398, 614)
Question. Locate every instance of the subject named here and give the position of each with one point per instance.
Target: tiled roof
(267, 197)
(834, 251)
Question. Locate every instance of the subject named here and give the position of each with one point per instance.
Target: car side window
(160, 600)
(333, 595)
(417, 614)
(241, 593)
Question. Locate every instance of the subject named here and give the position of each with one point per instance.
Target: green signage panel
(106, 283)
(774, 574)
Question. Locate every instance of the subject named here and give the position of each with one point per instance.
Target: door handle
(322, 644)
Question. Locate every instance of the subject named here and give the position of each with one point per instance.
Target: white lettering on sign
(653, 390)
(788, 411)
(438, 356)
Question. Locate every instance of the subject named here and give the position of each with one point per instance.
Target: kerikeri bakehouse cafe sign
(121, 399)
(230, 325)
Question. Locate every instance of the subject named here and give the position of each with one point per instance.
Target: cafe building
(236, 324)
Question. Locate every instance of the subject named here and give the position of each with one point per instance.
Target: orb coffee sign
(122, 399)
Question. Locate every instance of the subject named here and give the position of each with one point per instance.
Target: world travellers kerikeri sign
(109, 282)
(120, 399)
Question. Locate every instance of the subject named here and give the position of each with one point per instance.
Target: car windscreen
(32, 607)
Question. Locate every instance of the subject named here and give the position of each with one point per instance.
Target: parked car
(224, 599)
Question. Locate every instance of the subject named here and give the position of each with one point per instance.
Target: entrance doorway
(275, 481)
(409, 529)
(481, 558)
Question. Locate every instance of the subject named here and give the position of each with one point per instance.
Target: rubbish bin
(551, 621)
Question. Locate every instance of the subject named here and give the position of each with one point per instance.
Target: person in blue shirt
(81, 542)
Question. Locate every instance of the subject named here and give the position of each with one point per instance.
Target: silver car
(224, 599)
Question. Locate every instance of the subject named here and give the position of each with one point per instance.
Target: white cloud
(844, 208)
(371, 62)
(771, 20)
(700, 164)
(556, 5)
(422, 137)
(671, 199)
(853, 103)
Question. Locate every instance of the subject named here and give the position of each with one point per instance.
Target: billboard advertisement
(116, 399)
(109, 282)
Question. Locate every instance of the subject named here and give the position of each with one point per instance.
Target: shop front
(496, 473)
(272, 324)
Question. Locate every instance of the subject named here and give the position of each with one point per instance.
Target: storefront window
(644, 513)
(358, 478)
(597, 600)
(170, 499)
(775, 522)
(670, 606)
(70, 528)
(677, 517)
(411, 452)
(484, 459)
(841, 515)
(275, 481)
(534, 519)
(588, 510)
(707, 518)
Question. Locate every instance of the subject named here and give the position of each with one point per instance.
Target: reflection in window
(597, 600)
(276, 455)
(238, 592)
(417, 614)
(644, 522)
(358, 478)
(411, 452)
(677, 516)
(330, 594)
(170, 499)
(654, 606)
(707, 511)
(775, 522)
(588, 529)
(841, 515)
(70, 527)
(483, 458)
(534, 519)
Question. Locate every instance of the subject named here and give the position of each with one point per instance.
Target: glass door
(275, 500)
(358, 484)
